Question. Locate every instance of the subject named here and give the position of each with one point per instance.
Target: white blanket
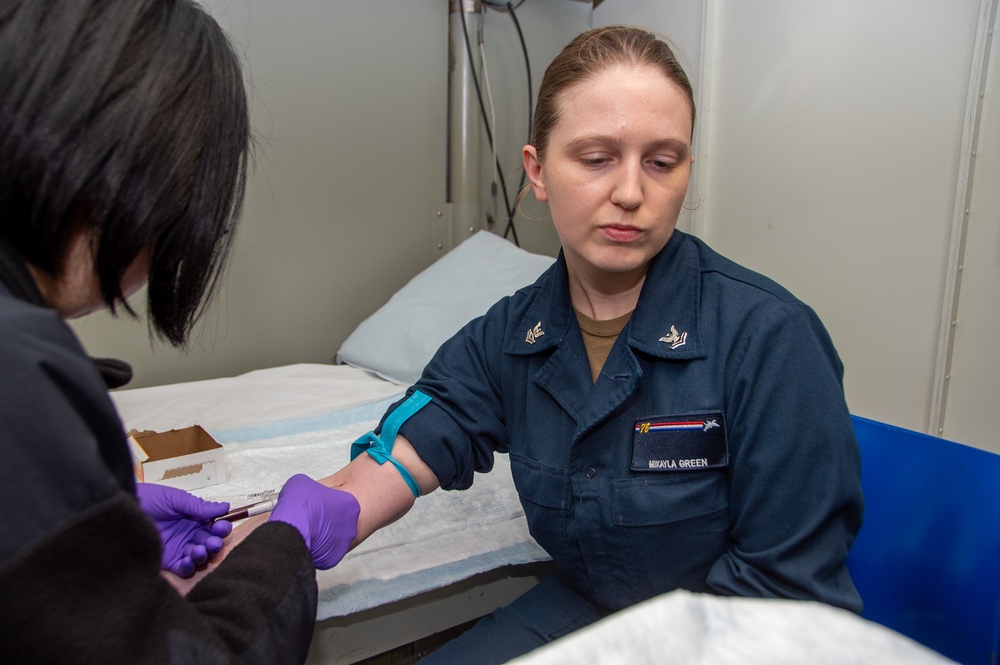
(683, 628)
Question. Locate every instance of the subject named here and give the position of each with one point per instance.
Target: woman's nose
(627, 191)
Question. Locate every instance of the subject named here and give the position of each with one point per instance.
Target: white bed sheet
(684, 628)
(303, 418)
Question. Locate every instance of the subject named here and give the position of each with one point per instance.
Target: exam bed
(456, 555)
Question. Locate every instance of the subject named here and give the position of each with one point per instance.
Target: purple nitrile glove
(184, 523)
(326, 518)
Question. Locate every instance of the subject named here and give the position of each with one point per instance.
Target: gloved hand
(326, 518)
(183, 521)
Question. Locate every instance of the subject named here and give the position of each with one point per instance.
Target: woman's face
(76, 291)
(615, 170)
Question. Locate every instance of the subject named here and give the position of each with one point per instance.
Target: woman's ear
(533, 168)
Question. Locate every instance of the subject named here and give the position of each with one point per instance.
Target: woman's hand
(187, 532)
(240, 532)
(327, 518)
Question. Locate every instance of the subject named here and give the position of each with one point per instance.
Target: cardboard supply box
(186, 458)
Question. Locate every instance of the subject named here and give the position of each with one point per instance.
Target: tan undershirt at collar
(598, 338)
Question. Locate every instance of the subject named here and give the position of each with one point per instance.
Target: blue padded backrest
(927, 559)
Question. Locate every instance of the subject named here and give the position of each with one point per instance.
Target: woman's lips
(621, 233)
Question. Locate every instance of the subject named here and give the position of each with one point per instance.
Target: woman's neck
(607, 297)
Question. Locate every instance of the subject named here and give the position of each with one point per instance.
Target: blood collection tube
(243, 512)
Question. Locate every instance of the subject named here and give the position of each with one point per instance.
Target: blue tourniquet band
(379, 448)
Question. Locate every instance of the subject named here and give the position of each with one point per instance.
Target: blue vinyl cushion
(927, 559)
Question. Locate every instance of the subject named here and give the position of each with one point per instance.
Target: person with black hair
(124, 142)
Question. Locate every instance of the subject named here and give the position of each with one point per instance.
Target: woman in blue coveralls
(673, 420)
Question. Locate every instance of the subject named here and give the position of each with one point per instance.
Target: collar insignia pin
(675, 339)
(534, 333)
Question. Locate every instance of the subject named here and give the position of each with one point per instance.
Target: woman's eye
(594, 161)
(663, 164)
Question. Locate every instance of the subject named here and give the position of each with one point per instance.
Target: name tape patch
(689, 442)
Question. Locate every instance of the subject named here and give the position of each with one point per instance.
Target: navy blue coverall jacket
(714, 453)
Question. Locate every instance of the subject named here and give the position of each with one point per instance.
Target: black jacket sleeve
(92, 593)
(80, 574)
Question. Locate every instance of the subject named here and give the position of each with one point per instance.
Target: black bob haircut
(127, 119)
